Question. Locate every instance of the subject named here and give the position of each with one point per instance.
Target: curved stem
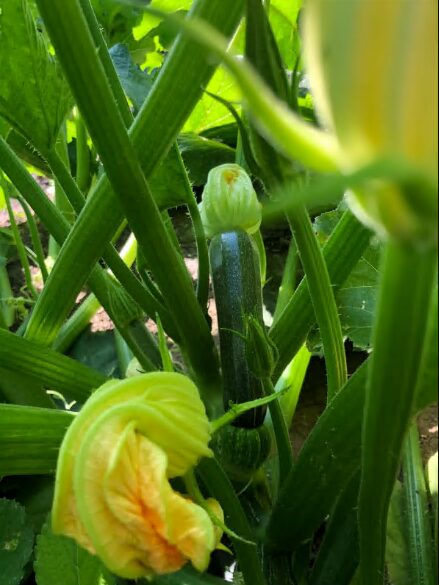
(200, 237)
(399, 336)
(20, 248)
(82, 156)
(282, 437)
(323, 299)
(36, 241)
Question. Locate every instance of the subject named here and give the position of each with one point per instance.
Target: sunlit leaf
(34, 97)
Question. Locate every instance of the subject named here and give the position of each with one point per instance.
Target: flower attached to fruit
(113, 494)
(373, 70)
(229, 202)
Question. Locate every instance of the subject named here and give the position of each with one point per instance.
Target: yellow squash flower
(113, 494)
(373, 69)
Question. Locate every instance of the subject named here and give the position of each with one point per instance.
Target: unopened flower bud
(229, 202)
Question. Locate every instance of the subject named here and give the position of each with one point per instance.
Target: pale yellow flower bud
(229, 202)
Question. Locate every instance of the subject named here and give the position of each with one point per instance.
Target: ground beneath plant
(312, 401)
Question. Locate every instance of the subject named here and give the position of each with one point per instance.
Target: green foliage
(59, 559)
(356, 299)
(34, 97)
(16, 542)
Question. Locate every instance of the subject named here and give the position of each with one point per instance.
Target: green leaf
(200, 155)
(60, 560)
(116, 18)
(283, 19)
(98, 351)
(356, 299)
(209, 112)
(136, 83)
(34, 97)
(398, 549)
(16, 541)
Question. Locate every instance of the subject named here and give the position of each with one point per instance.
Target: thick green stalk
(154, 131)
(417, 512)
(59, 229)
(220, 488)
(30, 439)
(107, 63)
(52, 369)
(323, 300)
(341, 253)
(399, 335)
(107, 129)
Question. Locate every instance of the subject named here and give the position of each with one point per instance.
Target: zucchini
(241, 452)
(237, 287)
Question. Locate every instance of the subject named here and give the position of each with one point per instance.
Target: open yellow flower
(373, 69)
(112, 491)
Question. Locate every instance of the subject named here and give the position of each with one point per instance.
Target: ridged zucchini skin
(240, 451)
(237, 286)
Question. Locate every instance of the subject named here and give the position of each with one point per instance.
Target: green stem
(106, 62)
(124, 354)
(133, 286)
(417, 512)
(62, 201)
(200, 236)
(259, 241)
(36, 241)
(82, 156)
(20, 248)
(58, 226)
(398, 341)
(341, 253)
(323, 300)
(76, 51)
(281, 434)
(292, 382)
(50, 368)
(76, 324)
(220, 488)
(286, 289)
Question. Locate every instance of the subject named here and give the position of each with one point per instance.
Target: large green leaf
(356, 299)
(60, 560)
(16, 541)
(136, 83)
(283, 19)
(34, 97)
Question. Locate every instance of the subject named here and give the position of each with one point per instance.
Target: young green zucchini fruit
(112, 492)
(241, 451)
(237, 286)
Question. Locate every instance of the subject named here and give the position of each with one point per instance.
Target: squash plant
(181, 470)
